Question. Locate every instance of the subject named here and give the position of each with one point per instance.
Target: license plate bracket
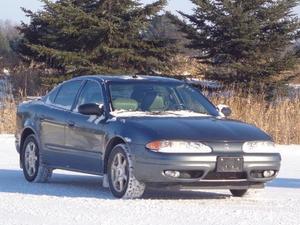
(230, 164)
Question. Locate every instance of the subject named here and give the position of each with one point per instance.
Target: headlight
(259, 147)
(178, 147)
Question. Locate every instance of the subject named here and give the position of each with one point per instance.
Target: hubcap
(118, 172)
(30, 158)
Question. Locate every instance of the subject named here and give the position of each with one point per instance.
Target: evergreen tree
(4, 45)
(162, 27)
(242, 40)
(8, 34)
(95, 36)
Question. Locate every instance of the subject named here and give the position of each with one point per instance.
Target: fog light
(172, 173)
(269, 173)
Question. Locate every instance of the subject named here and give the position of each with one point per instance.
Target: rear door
(54, 121)
(85, 134)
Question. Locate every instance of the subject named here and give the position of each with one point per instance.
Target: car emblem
(227, 147)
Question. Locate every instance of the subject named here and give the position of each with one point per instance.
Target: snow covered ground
(79, 199)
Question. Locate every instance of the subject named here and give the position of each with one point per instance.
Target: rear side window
(67, 94)
(51, 96)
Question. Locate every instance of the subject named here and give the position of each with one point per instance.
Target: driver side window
(91, 93)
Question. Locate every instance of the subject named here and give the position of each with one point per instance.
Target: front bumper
(149, 167)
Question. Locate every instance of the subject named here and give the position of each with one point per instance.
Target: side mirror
(224, 110)
(91, 109)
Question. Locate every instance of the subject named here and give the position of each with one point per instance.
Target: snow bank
(204, 83)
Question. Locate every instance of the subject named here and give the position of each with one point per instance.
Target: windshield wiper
(177, 113)
(157, 113)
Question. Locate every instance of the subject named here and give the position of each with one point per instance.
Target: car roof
(127, 78)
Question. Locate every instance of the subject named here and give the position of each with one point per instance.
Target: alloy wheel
(30, 158)
(119, 171)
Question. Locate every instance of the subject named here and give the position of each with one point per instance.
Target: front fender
(130, 132)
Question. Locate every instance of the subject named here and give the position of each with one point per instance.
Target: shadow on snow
(84, 186)
(285, 183)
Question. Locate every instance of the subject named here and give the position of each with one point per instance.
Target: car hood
(194, 128)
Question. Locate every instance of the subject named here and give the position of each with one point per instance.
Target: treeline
(8, 34)
(245, 41)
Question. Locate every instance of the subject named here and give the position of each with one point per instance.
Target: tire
(122, 182)
(33, 169)
(239, 193)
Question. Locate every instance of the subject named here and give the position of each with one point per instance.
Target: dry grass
(281, 118)
(8, 118)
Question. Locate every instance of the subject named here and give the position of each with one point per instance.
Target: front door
(85, 134)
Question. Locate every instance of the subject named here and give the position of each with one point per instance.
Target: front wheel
(122, 181)
(239, 193)
(33, 170)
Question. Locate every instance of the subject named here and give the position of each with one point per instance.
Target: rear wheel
(239, 193)
(122, 181)
(30, 157)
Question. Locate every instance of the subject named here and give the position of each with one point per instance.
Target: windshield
(159, 98)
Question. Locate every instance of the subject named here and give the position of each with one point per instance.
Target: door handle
(71, 123)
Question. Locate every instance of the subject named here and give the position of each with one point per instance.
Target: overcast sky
(10, 9)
